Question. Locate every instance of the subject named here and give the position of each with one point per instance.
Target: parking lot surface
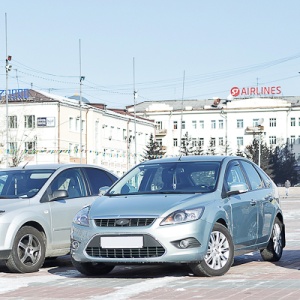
(248, 278)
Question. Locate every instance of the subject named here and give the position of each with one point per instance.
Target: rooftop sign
(15, 94)
(255, 91)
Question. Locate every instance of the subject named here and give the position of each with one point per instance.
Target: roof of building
(201, 104)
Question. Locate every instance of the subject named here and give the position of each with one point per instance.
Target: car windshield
(178, 177)
(22, 183)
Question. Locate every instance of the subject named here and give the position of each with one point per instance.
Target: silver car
(37, 205)
(196, 210)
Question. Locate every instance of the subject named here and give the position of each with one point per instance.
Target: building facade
(226, 126)
(45, 128)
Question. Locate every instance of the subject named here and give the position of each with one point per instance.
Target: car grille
(125, 222)
(125, 253)
(151, 248)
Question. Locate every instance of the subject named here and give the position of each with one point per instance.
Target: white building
(220, 122)
(45, 128)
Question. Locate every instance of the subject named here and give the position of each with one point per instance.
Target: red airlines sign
(251, 91)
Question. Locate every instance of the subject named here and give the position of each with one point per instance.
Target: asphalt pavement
(248, 278)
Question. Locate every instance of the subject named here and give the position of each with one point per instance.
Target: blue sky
(190, 49)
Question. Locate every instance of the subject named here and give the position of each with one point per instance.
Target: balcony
(254, 129)
(161, 132)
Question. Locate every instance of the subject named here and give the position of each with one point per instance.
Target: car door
(261, 192)
(243, 210)
(62, 211)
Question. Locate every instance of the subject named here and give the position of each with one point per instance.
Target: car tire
(28, 251)
(91, 268)
(273, 252)
(219, 256)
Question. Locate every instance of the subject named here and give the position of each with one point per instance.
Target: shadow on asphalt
(62, 266)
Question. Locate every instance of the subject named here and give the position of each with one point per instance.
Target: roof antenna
(25, 165)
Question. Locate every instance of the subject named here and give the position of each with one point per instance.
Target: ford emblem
(121, 222)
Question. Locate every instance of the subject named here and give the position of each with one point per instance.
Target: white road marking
(137, 288)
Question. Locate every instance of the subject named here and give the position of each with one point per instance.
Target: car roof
(54, 167)
(190, 158)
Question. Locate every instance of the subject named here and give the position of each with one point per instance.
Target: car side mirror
(236, 189)
(103, 190)
(59, 194)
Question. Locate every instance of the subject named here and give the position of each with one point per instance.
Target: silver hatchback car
(196, 210)
(37, 205)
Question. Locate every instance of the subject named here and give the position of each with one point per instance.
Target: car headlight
(182, 216)
(82, 217)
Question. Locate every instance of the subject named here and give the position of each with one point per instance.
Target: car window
(234, 175)
(256, 181)
(265, 177)
(22, 183)
(98, 178)
(69, 180)
(179, 177)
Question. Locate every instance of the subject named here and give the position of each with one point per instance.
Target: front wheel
(28, 251)
(219, 256)
(91, 268)
(273, 252)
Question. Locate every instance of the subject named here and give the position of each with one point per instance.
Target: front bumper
(181, 243)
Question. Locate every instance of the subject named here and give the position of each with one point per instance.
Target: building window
(221, 124)
(183, 125)
(175, 142)
(194, 124)
(298, 140)
(201, 124)
(77, 124)
(175, 125)
(221, 141)
(213, 142)
(293, 140)
(201, 141)
(71, 124)
(293, 122)
(213, 124)
(159, 125)
(272, 140)
(239, 123)
(30, 147)
(240, 141)
(13, 147)
(30, 121)
(299, 122)
(159, 142)
(12, 122)
(272, 122)
(194, 142)
(255, 122)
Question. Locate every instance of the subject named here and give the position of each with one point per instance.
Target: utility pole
(7, 69)
(81, 78)
(134, 105)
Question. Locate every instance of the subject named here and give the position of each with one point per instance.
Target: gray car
(37, 205)
(195, 210)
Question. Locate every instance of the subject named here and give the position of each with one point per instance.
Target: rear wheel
(91, 268)
(273, 252)
(28, 251)
(219, 256)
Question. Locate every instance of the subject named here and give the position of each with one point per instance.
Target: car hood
(143, 205)
(12, 204)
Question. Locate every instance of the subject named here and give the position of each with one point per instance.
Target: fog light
(75, 244)
(184, 244)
